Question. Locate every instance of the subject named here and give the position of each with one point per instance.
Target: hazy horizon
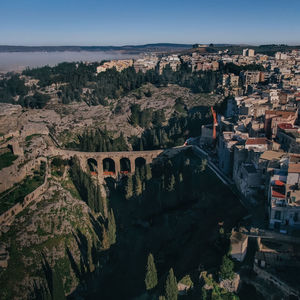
(148, 43)
(18, 61)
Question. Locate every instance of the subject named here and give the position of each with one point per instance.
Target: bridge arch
(92, 166)
(125, 165)
(109, 166)
(139, 162)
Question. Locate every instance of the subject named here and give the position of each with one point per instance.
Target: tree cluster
(235, 69)
(12, 87)
(87, 189)
(151, 280)
(99, 141)
(163, 186)
(178, 129)
(37, 100)
(112, 84)
(144, 118)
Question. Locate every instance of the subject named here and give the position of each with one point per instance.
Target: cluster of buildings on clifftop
(258, 143)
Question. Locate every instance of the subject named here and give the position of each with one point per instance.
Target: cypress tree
(226, 269)
(128, 188)
(111, 228)
(99, 201)
(171, 290)
(57, 287)
(151, 274)
(148, 172)
(137, 186)
(105, 241)
(141, 145)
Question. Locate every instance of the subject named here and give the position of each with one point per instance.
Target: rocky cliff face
(60, 230)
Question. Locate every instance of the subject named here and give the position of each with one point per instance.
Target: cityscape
(147, 168)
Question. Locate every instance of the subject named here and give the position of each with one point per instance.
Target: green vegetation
(145, 118)
(235, 69)
(7, 159)
(214, 291)
(111, 227)
(30, 137)
(180, 106)
(178, 129)
(161, 220)
(9, 88)
(99, 141)
(151, 273)
(37, 100)
(226, 269)
(148, 93)
(171, 290)
(157, 217)
(19, 191)
(87, 189)
(186, 280)
(110, 84)
(69, 186)
(58, 166)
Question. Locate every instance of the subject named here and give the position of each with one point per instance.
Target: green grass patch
(17, 194)
(7, 159)
(69, 186)
(30, 137)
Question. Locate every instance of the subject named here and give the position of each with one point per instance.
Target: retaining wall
(7, 217)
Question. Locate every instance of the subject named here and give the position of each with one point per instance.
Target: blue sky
(121, 22)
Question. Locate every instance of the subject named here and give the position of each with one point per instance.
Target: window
(278, 215)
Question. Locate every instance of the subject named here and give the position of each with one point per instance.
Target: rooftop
(257, 141)
(237, 237)
(285, 126)
(271, 155)
(280, 113)
(294, 168)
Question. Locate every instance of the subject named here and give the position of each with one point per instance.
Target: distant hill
(156, 47)
(126, 48)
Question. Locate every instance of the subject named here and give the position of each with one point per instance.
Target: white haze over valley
(18, 61)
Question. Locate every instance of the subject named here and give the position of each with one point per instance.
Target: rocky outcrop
(56, 228)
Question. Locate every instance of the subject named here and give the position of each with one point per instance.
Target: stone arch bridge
(110, 163)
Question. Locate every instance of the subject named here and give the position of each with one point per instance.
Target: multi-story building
(148, 62)
(251, 52)
(118, 64)
(288, 136)
(248, 52)
(275, 117)
(284, 195)
(172, 60)
(252, 77)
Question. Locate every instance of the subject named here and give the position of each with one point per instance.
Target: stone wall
(14, 174)
(9, 135)
(8, 217)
